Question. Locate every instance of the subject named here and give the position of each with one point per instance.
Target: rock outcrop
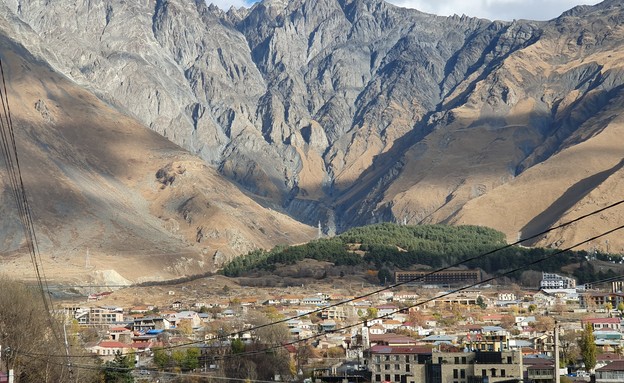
(357, 111)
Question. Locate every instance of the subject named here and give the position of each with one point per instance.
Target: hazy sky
(489, 9)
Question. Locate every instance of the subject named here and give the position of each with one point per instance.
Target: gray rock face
(333, 108)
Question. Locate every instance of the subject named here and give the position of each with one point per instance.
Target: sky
(489, 9)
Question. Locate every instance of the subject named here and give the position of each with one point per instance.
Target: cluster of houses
(412, 335)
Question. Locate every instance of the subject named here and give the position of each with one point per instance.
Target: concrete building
(611, 373)
(418, 364)
(473, 367)
(446, 277)
(556, 281)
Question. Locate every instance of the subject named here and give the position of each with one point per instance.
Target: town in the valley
(433, 331)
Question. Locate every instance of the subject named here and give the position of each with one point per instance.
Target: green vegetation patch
(397, 247)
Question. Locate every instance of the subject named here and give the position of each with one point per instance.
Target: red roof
(609, 356)
(601, 320)
(290, 348)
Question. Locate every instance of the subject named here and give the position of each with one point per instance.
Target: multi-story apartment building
(94, 315)
(105, 315)
(424, 365)
(396, 363)
(555, 281)
(476, 367)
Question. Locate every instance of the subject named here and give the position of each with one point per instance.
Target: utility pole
(557, 377)
(9, 371)
(69, 365)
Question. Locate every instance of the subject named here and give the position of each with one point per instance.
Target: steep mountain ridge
(351, 112)
(106, 193)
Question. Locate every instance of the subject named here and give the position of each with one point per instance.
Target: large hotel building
(445, 277)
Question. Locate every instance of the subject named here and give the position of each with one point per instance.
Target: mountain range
(195, 134)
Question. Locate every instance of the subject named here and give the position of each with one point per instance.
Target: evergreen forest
(391, 247)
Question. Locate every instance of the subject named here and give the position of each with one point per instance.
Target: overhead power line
(24, 211)
(496, 276)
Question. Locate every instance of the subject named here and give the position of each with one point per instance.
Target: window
(377, 358)
(396, 357)
(462, 373)
(493, 372)
(407, 368)
(483, 373)
(509, 360)
(386, 367)
(502, 372)
(397, 378)
(406, 358)
(397, 366)
(387, 377)
(455, 373)
(463, 360)
(377, 378)
(439, 360)
(457, 360)
(387, 357)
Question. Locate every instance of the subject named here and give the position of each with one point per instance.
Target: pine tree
(588, 347)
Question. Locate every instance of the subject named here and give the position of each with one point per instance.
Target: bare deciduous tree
(32, 339)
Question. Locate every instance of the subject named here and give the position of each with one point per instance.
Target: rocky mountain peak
(353, 111)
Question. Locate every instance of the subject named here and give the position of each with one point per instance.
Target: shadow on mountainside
(570, 198)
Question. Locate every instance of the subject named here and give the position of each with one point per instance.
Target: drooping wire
(360, 323)
(497, 276)
(24, 211)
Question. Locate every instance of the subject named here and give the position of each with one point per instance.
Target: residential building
(103, 315)
(337, 312)
(556, 281)
(120, 334)
(108, 349)
(395, 363)
(477, 367)
(506, 297)
(539, 370)
(598, 299)
(94, 315)
(468, 298)
(418, 364)
(611, 373)
(191, 317)
(387, 311)
(314, 301)
(150, 323)
(488, 338)
(603, 323)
